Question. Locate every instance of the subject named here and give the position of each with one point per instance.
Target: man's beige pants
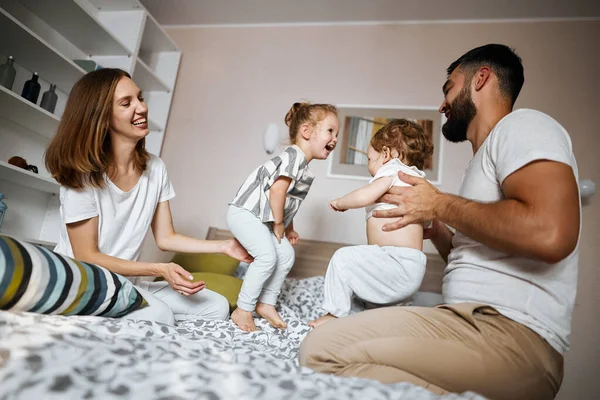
(449, 348)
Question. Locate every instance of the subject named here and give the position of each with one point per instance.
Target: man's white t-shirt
(538, 295)
(123, 217)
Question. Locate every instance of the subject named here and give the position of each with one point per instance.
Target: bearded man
(510, 283)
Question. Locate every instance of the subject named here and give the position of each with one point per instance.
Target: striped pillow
(35, 279)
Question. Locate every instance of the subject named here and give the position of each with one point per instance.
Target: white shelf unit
(46, 37)
(30, 116)
(28, 179)
(35, 54)
(84, 31)
(146, 78)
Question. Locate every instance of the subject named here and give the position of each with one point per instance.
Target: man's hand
(234, 249)
(334, 204)
(292, 236)
(416, 203)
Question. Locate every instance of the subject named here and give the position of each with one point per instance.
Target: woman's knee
(221, 308)
(156, 310)
(217, 307)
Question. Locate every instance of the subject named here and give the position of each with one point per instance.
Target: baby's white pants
(372, 274)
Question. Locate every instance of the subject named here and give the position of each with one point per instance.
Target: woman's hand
(234, 249)
(334, 204)
(179, 279)
(278, 230)
(292, 236)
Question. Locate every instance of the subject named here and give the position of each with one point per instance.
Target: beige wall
(234, 81)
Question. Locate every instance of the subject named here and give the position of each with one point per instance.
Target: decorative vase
(31, 89)
(49, 98)
(7, 73)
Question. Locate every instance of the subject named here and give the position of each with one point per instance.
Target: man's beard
(462, 112)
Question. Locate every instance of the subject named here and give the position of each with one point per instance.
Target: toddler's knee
(266, 260)
(287, 258)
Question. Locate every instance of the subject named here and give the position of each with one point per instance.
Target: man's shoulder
(525, 117)
(526, 125)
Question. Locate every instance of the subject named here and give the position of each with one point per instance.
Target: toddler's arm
(364, 196)
(291, 234)
(277, 194)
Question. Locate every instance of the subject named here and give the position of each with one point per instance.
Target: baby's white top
(391, 168)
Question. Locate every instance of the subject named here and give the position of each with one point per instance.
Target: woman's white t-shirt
(123, 217)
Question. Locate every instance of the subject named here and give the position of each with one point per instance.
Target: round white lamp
(587, 188)
(271, 138)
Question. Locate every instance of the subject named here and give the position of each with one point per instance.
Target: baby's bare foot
(244, 320)
(268, 312)
(321, 320)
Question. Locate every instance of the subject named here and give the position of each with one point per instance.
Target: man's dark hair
(501, 59)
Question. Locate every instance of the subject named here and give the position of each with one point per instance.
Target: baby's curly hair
(407, 138)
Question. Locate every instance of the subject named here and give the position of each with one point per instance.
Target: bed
(55, 357)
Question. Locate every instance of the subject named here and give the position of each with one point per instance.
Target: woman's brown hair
(407, 138)
(80, 154)
(304, 112)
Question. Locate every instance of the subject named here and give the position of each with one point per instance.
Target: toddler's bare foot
(244, 320)
(268, 312)
(321, 320)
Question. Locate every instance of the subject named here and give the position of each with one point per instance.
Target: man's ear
(481, 77)
(305, 131)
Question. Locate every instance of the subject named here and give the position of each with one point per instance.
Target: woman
(113, 190)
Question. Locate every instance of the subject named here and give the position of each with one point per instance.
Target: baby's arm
(277, 194)
(364, 196)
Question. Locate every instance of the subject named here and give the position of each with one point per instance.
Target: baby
(388, 270)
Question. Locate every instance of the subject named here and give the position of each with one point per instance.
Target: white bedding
(52, 357)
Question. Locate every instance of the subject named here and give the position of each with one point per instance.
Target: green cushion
(204, 262)
(225, 285)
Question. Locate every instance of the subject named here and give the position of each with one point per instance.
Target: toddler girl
(261, 214)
